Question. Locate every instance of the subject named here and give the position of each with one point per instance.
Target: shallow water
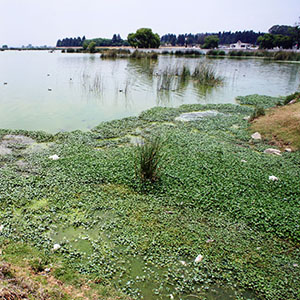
(63, 92)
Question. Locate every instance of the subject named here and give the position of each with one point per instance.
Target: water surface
(63, 92)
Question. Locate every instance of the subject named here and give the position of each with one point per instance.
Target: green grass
(138, 236)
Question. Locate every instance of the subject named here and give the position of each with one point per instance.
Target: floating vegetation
(213, 198)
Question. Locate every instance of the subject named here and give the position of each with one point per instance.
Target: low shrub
(289, 98)
(258, 112)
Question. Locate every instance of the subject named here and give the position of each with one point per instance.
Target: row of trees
(281, 36)
(116, 40)
(199, 38)
(71, 42)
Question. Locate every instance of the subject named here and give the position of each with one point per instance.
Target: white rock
(243, 161)
(1, 227)
(183, 263)
(246, 118)
(273, 178)
(47, 270)
(256, 136)
(209, 241)
(295, 265)
(199, 258)
(171, 297)
(56, 247)
(292, 101)
(288, 150)
(272, 151)
(54, 157)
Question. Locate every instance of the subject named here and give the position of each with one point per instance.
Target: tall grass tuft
(206, 75)
(149, 155)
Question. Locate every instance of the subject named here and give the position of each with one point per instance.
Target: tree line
(116, 40)
(281, 36)
(199, 38)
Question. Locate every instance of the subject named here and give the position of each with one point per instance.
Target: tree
(210, 42)
(297, 33)
(144, 38)
(92, 47)
(85, 45)
(283, 41)
(267, 41)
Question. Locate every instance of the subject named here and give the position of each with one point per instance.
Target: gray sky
(41, 22)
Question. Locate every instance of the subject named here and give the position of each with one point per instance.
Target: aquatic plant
(148, 159)
(115, 53)
(143, 54)
(204, 74)
(259, 100)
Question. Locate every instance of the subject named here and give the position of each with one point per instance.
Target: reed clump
(115, 53)
(149, 155)
(206, 75)
(142, 54)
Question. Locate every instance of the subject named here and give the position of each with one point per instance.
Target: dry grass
(18, 283)
(281, 125)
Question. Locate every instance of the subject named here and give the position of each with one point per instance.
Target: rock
(256, 136)
(199, 258)
(246, 118)
(169, 212)
(197, 115)
(243, 161)
(288, 150)
(209, 241)
(295, 265)
(47, 270)
(272, 151)
(292, 101)
(1, 227)
(171, 297)
(54, 157)
(273, 178)
(4, 150)
(183, 263)
(56, 247)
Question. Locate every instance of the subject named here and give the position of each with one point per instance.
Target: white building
(239, 45)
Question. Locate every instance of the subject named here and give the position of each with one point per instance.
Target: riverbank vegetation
(214, 225)
(280, 124)
(274, 55)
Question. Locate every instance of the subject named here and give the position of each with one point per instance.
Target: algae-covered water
(63, 92)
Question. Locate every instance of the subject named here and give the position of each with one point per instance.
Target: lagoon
(64, 92)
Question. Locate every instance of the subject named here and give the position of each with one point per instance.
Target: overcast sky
(41, 22)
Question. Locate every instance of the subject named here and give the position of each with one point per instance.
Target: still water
(63, 92)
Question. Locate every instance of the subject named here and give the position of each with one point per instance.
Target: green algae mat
(74, 200)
